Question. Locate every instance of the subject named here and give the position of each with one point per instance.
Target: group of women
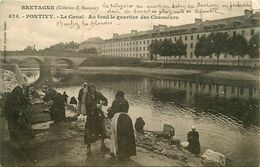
(122, 133)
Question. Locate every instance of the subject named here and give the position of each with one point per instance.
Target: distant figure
(81, 98)
(57, 110)
(193, 139)
(65, 96)
(73, 100)
(139, 125)
(122, 131)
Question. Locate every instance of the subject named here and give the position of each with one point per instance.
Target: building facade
(95, 42)
(136, 44)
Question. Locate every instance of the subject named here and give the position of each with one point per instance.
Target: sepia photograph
(130, 83)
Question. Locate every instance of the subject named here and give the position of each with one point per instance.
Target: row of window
(142, 42)
(129, 43)
(125, 43)
(134, 49)
(136, 55)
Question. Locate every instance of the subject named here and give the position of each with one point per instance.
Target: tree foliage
(30, 49)
(238, 45)
(67, 46)
(202, 47)
(91, 50)
(253, 46)
(218, 44)
(180, 49)
(154, 47)
(166, 48)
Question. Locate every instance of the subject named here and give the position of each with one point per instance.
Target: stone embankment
(8, 80)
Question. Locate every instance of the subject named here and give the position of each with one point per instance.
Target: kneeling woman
(122, 131)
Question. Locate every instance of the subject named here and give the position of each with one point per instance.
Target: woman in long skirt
(122, 131)
(81, 98)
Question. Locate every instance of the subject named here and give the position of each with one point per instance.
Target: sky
(44, 32)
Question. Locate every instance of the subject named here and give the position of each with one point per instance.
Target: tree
(219, 44)
(238, 46)
(60, 47)
(91, 50)
(180, 49)
(30, 49)
(154, 48)
(167, 48)
(253, 46)
(202, 47)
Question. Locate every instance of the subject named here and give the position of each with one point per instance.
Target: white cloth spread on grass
(212, 158)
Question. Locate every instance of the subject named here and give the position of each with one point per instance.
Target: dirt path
(63, 145)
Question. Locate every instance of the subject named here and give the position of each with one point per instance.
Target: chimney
(159, 28)
(133, 32)
(162, 27)
(198, 21)
(115, 35)
(248, 14)
(155, 29)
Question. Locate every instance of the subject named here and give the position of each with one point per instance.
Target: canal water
(226, 116)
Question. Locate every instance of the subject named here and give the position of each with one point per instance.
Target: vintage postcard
(129, 83)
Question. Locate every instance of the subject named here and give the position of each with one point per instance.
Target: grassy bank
(222, 77)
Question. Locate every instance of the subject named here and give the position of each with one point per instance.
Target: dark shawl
(94, 127)
(57, 110)
(118, 105)
(194, 144)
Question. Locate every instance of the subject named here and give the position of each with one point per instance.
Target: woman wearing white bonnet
(193, 139)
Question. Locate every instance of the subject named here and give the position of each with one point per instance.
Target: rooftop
(94, 39)
(249, 19)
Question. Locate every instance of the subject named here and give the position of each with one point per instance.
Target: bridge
(46, 60)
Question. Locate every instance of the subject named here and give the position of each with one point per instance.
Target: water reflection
(242, 107)
(214, 90)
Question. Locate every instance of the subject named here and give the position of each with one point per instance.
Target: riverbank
(221, 77)
(238, 75)
(62, 144)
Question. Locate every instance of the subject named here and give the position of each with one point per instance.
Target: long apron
(122, 136)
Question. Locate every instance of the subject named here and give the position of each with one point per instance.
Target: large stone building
(95, 42)
(136, 44)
